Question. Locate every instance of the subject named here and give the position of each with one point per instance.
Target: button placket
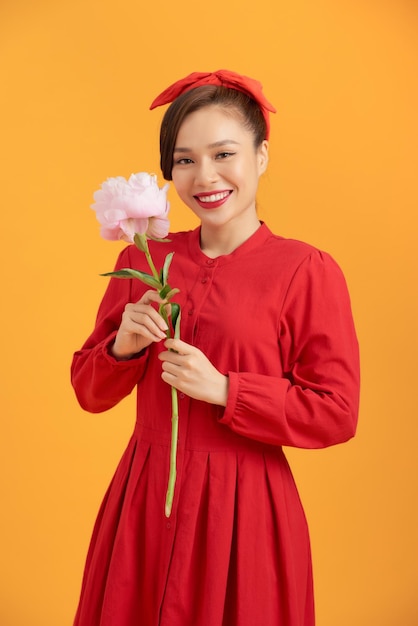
(198, 294)
(206, 272)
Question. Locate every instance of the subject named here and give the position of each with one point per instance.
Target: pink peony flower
(126, 207)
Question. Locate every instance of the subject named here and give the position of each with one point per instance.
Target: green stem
(174, 397)
(162, 310)
(173, 452)
(174, 433)
(152, 266)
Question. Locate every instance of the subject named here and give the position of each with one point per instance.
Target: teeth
(214, 197)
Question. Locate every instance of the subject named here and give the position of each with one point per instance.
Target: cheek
(181, 185)
(178, 181)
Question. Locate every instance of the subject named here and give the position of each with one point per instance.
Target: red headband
(224, 78)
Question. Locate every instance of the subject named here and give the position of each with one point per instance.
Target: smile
(213, 200)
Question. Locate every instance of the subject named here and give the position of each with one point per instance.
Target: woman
(268, 358)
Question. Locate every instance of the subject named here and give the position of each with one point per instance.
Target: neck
(220, 241)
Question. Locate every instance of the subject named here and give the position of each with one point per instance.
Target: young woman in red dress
(268, 357)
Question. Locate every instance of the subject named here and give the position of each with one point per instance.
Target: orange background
(76, 81)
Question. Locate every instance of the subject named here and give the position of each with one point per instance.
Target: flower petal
(158, 227)
(111, 234)
(124, 207)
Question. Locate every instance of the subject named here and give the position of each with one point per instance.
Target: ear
(263, 157)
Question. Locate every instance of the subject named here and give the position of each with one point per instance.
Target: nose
(206, 172)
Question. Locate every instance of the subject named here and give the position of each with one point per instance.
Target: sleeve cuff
(229, 410)
(106, 352)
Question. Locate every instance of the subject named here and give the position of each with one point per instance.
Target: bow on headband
(224, 78)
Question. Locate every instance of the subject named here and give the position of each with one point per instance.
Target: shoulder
(299, 259)
(287, 246)
(291, 252)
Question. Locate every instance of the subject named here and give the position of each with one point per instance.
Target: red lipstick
(212, 200)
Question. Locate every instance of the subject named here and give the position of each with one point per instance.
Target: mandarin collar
(256, 240)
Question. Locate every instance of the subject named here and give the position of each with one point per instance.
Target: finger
(149, 297)
(172, 357)
(171, 369)
(142, 324)
(148, 332)
(179, 346)
(139, 312)
(167, 307)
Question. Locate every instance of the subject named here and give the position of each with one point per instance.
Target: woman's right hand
(141, 325)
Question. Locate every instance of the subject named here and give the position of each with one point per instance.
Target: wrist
(222, 392)
(120, 356)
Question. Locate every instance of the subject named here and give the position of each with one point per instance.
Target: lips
(212, 200)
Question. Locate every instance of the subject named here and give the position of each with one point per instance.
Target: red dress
(275, 317)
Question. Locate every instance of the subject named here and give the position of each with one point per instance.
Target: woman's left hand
(186, 368)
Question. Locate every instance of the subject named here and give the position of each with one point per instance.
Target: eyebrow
(216, 144)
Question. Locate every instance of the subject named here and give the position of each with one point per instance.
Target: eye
(224, 155)
(183, 161)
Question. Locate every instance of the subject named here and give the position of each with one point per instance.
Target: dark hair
(196, 99)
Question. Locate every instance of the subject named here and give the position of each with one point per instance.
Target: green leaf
(166, 267)
(164, 291)
(129, 273)
(160, 240)
(141, 242)
(175, 319)
(163, 312)
(172, 293)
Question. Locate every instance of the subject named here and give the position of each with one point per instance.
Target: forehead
(212, 123)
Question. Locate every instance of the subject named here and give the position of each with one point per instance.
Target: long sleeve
(314, 403)
(99, 380)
